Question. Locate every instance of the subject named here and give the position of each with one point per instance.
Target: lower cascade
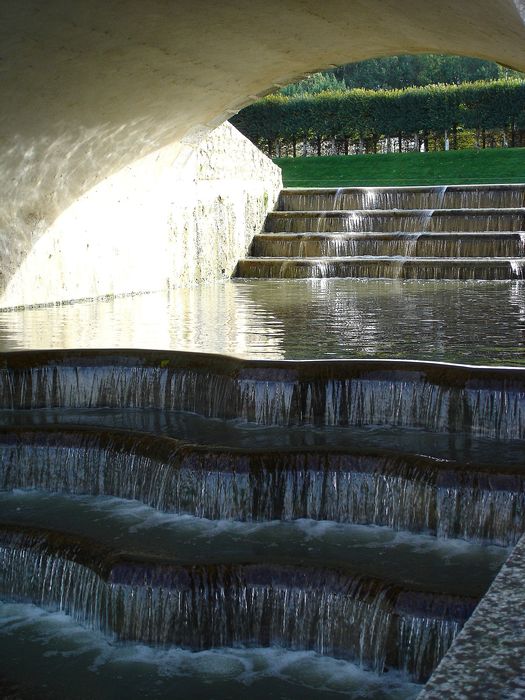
(200, 607)
(252, 451)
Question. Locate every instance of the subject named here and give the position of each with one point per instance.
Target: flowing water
(470, 233)
(454, 321)
(63, 654)
(231, 519)
(409, 220)
(439, 197)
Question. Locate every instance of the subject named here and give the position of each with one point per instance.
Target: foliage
(360, 115)
(399, 72)
(318, 82)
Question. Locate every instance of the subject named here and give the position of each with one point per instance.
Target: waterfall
(518, 267)
(378, 268)
(424, 642)
(403, 492)
(395, 220)
(419, 244)
(200, 607)
(436, 197)
(477, 401)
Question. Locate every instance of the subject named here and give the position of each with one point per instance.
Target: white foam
(61, 638)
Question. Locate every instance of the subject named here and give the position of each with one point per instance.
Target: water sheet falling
(405, 492)
(487, 402)
(200, 607)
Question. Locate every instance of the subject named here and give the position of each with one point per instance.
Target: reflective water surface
(456, 321)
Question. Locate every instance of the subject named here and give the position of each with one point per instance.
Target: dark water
(456, 321)
(67, 661)
(419, 561)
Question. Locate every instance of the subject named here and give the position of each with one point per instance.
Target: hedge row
(367, 116)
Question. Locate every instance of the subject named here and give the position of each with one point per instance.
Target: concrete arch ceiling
(114, 94)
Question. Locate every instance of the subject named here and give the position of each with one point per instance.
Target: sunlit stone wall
(216, 213)
(182, 215)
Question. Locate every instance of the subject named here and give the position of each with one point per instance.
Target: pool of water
(455, 321)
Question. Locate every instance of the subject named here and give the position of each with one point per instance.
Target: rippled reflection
(462, 321)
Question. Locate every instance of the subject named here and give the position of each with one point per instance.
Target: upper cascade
(443, 232)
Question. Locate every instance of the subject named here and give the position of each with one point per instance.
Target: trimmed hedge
(364, 117)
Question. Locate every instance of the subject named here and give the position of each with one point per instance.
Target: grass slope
(396, 169)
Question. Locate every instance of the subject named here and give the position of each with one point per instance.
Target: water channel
(293, 488)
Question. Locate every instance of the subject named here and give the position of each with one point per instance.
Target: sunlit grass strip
(398, 169)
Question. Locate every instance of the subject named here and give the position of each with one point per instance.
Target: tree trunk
(400, 141)
(319, 145)
(346, 146)
(294, 147)
(483, 138)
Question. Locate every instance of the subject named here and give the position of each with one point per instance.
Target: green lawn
(440, 168)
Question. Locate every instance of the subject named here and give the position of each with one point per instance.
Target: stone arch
(105, 104)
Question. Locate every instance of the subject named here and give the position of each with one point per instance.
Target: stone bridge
(112, 181)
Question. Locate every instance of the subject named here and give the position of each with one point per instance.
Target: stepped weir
(453, 232)
(197, 508)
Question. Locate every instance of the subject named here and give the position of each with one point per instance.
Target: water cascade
(479, 401)
(444, 232)
(403, 491)
(357, 509)
(435, 197)
(136, 598)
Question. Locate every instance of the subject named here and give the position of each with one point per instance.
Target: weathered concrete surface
(179, 216)
(102, 98)
(487, 660)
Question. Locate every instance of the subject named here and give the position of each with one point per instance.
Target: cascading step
(446, 398)
(139, 597)
(493, 244)
(382, 267)
(397, 220)
(411, 492)
(444, 232)
(421, 197)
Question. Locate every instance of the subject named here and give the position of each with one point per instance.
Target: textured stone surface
(104, 100)
(179, 217)
(487, 660)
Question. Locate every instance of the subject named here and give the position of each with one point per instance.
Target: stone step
(488, 402)
(383, 267)
(404, 491)
(474, 244)
(397, 220)
(141, 597)
(438, 197)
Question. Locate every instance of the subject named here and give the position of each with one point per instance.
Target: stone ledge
(487, 660)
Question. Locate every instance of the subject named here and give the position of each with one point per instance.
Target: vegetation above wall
(399, 72)
(481, 114)
(444, 168)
